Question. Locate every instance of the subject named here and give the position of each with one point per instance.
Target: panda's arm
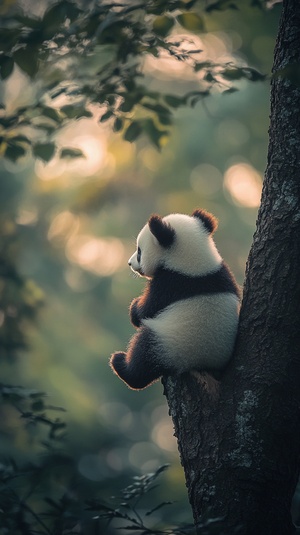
(143, 307)
(135, 312)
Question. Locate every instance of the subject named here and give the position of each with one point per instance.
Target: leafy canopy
(91, 57)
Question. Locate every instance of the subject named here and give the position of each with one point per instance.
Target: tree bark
(239, 439)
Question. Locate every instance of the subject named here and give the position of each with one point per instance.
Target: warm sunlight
(216, 47)
(244, 184)
(63, 226)
(86, 136)
(100, 256)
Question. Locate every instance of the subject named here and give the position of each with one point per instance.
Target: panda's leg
(139, 367)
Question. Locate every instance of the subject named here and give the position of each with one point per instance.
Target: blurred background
(69, 226)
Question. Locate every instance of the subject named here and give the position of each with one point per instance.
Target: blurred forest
(68, 226)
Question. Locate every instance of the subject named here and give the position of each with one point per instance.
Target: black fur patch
(163, 232)
(139, 367)
(209, 221)
(167, 287)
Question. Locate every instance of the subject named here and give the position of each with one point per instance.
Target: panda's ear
(209, 221)
(162, 231)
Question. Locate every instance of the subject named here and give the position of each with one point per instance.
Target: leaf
(191, 22)
(162, 25)
(9, 37)
(38, 406)
(6, 66)
(106, 116)
(118, 124)
(73, 111)
(158, 507)
(233, 74)
(255, 76)
(154, 133)
(56, 14)
(202, 65)
(157, 108)
(174, 101)
(193, 97)
(221, 5)
(21, 138)
(69, 152)
(133, 131)
(237, 73)
(163, 113)
(14, 151)
(44, 151)
(130, 100)
(230, 90)
(52, 113)
(27, 59)
(28, 22)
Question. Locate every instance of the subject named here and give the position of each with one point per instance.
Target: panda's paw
(134, 313)
(117, 362)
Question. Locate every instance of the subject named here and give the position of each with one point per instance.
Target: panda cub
(187, 317)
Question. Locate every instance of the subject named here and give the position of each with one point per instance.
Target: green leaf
(133, 131)
(193, 97)
(191, 22)
(173, 101)
(27, 59)
(162, 25)
(238, 73)
(233, 74)
(158, 108)
(221, 5)
(20, 138)
(130, 100)
(52, 113)
(9, 37)
(28, 22)
(163, 504)
(14, 151)
(44, 151)
(255, 76)
(230, 90)
(6, 66)
(73, 111)
(106, 116)
(118, 124)
(154, 133)
(38, 405)
(202, 65)
(69, 152)
(163, 113)
(56, 14)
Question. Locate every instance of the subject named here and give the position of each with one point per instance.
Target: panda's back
(198, 332)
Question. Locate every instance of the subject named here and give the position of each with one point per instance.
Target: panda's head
(178, 242)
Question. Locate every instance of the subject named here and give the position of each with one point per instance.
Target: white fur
(193, 253)
(198, 332)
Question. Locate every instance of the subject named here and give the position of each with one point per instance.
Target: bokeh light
(98, 255)
(244, 184)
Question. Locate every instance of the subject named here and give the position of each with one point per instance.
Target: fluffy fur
(187, 317)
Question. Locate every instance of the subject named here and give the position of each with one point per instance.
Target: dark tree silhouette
(240, 440)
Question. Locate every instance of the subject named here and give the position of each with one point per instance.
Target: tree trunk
(239, 439)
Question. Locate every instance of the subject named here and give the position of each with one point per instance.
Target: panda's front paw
(134, 313)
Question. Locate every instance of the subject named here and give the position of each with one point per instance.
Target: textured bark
(239, 439)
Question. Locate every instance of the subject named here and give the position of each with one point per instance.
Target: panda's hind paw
(117, 361)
